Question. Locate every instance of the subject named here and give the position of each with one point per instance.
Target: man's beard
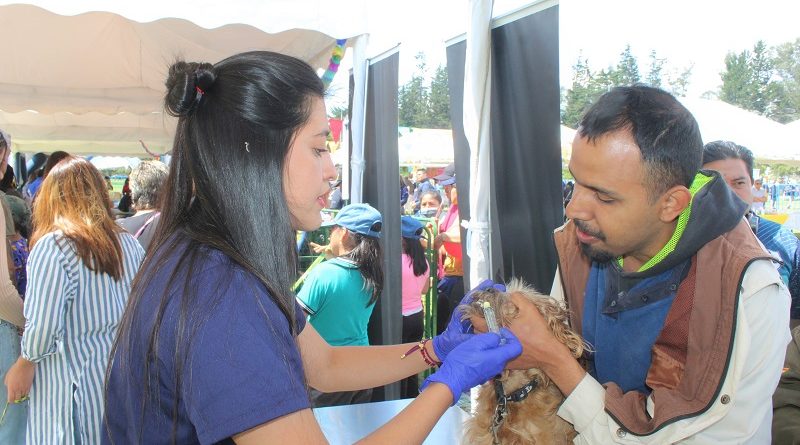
(596, 255)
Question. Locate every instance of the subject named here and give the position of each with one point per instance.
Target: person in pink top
(448, 244)
(414, 267)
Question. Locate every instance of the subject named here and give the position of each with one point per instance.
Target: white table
(344, 425)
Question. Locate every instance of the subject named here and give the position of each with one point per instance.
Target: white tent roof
(425, 146)
(722, 121)
(794, 130)
(93, 82)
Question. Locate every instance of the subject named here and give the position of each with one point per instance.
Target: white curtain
(360, 66)
(477, 91)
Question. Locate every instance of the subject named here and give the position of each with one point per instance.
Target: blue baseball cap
(411, 227)
(448, 176)
(358, 218)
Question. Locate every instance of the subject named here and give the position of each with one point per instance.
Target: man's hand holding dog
(540, 349)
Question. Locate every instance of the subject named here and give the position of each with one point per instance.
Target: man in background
(146, 182)
(423, 185)
(759, 196)
(735, 163)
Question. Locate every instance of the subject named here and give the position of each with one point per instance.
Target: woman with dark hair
(81, 267)
(339, 294)
(416, 281)
(212, 346)
(53, 160)
(430, 204)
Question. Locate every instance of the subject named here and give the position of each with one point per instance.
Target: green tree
(439, 100)
(736, 80)
(413, 97)
(656, 66)
(423, 104)
(786, 64)
(679, 83)
(627, 70)
(338, 112)
(579, 96)
(588, 85)
(747, 81)
(761, 70)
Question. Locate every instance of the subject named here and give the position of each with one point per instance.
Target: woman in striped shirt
(80, 270)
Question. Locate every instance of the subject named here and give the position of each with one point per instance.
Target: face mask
(428, 213)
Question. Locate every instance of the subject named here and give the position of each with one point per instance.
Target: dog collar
(520, 394)
(501, 411)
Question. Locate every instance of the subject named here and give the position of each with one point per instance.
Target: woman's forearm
(361, 367)
(416, 421)
(349, 368)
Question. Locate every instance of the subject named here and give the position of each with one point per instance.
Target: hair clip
(247, 146)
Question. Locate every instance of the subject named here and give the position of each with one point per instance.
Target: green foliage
(627, 70)
(779, 170)
(425, 106)
(125, 171)
(439, 100)
(584, 91)
(588, 85)
(787, 70)
(680, 82)
(656, 66)
(765, 80)
(338, 112)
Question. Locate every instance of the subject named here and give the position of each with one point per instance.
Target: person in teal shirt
(339, 294)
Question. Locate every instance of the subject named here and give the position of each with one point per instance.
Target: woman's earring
(247, 147)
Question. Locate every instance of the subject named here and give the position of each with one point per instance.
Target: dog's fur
(534, 419)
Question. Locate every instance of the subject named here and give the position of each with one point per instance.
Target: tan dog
(533, 419)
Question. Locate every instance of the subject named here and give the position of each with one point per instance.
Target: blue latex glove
(475, 361)
(458, 331)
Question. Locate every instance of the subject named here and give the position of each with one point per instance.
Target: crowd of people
(179, 323)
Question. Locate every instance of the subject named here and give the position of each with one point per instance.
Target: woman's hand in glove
(459, 331)
(475, 361)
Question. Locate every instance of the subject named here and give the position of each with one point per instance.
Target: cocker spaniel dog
(519, 406)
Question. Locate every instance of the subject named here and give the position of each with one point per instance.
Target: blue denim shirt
(622, 318)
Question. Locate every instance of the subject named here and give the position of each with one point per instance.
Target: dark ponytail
(186, 84)
(367, 255)
(416, 254)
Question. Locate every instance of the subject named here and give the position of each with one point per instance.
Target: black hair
(665, 131)
(366, 253)
(416, 254)
(236, 122)
(719, 150)
(7, 183)
(434, 193)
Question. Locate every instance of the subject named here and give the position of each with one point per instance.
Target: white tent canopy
(722, 121)
(93, 82)
(794, 130)
(425, 146)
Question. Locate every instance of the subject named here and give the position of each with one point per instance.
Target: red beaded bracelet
(425, 356)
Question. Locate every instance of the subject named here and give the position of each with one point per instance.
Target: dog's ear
(556, 317)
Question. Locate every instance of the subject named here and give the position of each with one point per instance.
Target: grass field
(118, 183)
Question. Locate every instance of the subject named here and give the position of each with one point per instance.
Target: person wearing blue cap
(339, 294)
(415, 282)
